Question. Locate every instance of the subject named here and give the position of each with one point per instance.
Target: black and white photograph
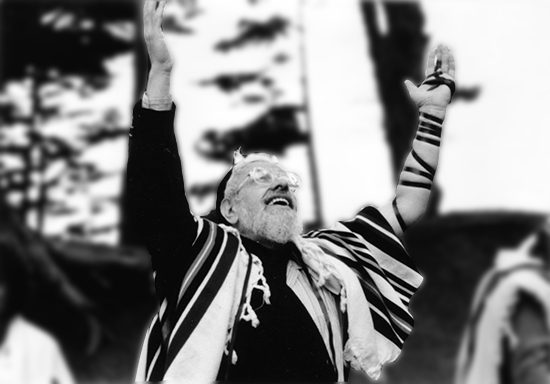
(274, 191)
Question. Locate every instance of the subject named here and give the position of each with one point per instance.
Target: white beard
(271, 227)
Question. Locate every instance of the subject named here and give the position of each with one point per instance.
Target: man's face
(267, 213)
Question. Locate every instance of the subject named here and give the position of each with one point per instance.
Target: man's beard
(271, 227)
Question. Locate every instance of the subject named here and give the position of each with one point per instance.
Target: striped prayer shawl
(366, 244)
(178, 316)
(387, 274)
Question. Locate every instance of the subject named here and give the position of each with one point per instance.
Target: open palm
(437, 89)
(154, 37)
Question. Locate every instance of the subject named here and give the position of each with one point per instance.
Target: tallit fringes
(313, 255)
(231, 230)
(258, 281)
(361, 360)
(250, 315)
(234, 356)
(343, 299)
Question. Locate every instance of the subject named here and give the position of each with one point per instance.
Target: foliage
(56, 51)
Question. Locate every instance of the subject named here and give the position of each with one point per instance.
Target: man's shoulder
(206, 225)
(368, 224)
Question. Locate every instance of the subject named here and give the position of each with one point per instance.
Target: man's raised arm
(155, 190)
(157, 95)
(416, 179)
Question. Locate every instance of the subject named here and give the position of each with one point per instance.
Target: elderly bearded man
(243, 296)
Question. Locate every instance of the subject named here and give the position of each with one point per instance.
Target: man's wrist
(159, 103)
(436, 111)
(164, 68)
(157, 95)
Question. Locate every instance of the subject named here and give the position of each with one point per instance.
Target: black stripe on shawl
(154, 342)
(207, 295)
(404, 287)
(156, 339)
(375, 299)
(381, 241)
(366, 261)
(392, 312)
(201, 273)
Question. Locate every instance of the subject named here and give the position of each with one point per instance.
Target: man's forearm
(157, 94)
(416, 179)
(155, 190)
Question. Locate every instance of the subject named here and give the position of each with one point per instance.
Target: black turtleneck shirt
(287, 345)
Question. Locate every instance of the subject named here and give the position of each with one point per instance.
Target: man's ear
(228, 212)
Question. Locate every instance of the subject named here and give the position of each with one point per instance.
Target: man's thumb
(411, 88)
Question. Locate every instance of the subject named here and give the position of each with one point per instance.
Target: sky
(495, 153)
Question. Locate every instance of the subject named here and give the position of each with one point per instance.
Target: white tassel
(231, 230)
(250, 315)
(343, 299)
(237, 156)
(262, 286)
(258, 281)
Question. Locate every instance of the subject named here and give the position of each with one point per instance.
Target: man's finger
(451, 65)
(149, 8)
(160, 9)
(148, 13)
(431, 63)
(445, 59)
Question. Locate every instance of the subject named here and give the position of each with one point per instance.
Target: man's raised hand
(436, 91)
(154, 37)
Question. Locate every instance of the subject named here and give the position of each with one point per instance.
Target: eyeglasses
(262, 176)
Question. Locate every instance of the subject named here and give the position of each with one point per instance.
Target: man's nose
(281, 185)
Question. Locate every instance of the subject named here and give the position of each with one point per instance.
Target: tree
(66, 46)
(398, 54)
(281, 124)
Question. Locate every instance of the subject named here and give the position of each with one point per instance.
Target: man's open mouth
(281, 201)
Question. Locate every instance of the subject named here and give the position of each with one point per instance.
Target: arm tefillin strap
(428, 140)
(402, 223)
(438, 78)
(429, 132)
(430, 128)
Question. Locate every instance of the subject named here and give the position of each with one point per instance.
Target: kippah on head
(239, 160)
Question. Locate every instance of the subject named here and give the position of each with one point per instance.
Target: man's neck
(265, 243)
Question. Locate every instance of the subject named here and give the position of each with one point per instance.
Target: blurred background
(317, 82)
